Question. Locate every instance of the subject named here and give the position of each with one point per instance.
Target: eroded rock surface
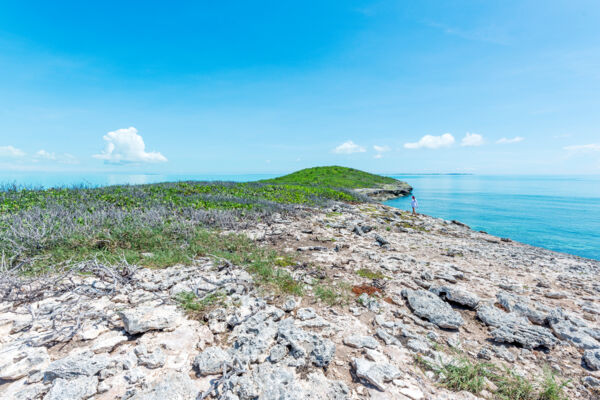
(381, 289)
(429, 306)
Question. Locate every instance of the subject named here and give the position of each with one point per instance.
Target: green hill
(335, 177)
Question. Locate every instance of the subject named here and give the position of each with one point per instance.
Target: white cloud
(378, 156)
(381, 149)
(432, 142)
(126, 146)
(584, 148)
(10, 151)
(516, 139)
(43, 154)
(471, 140)
(349, 147)
(64, 158)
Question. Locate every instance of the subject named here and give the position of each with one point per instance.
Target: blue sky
(496, 87)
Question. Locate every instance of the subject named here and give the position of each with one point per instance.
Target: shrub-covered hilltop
(40, 229)
(375, 186)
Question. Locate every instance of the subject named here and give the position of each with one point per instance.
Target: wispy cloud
(562, 136)
(64, 158)
(432, 142)
(487, 33)
(504, 140)
(349, 147)
(583, 148)
(10, 151)
(126, 146)
(381, 149)
(472, 140)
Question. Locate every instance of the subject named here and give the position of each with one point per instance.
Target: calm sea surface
(560, 213)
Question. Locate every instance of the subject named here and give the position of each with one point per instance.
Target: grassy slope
(40, 229)
(333, 177)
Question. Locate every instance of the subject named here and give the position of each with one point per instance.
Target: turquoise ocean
(560, 213)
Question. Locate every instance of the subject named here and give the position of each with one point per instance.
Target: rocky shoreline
(386, 191)
(389, 300)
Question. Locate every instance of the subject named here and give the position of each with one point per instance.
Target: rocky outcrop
(386, 192)
(514, 328)
(429, 306)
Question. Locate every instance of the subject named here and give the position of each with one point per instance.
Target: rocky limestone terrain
(389, 300)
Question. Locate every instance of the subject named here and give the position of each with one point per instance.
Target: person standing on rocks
(414, 204)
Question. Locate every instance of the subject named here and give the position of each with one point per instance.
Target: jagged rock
(211, 361)
(592, 359)
(312, 248)
(503, 353)
(430, 307)
(30, 392)
(252, 339)
(108, 341)
(565, 327)
(381, 241)
(305, 313)
(418, 346)
(16, 362)
(522, 305)
(318, 387)
(79, 388)
(591, 382)
(359, 342)
(369, 302)
(514, 328)
(174, 386)
(146, 318)
(303, 344)
(290, 304)
(272, 382)
(375, 373)
(277, 353)
(412, 393)
(73, 366)
(154, 359)
(529, 337)
(484, 353)
(276, 382)
(457, 295)
(556, 295)
(386, 337)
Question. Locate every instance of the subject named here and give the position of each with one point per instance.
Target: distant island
(374, 186)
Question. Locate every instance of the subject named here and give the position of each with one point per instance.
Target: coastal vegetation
(163, 224)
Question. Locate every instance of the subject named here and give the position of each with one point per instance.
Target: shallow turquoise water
(561, 213)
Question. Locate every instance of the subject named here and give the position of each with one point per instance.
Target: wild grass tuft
(332, 293)
(550, 388)
(369, 274)
(463, 374)
(514, 387)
